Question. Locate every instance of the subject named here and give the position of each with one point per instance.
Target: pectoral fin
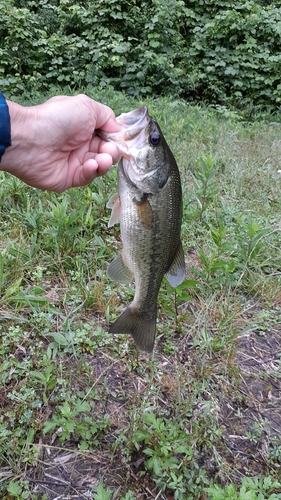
(118, 271)
(114, 204)
(176, 272)
(144, 211)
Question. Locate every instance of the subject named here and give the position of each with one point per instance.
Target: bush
(238, 54)
(218, 52)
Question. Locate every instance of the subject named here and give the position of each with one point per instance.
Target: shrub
(218, 52)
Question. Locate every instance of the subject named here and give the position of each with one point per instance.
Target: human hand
(54, 144)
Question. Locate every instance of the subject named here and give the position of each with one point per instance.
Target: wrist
(21, 133)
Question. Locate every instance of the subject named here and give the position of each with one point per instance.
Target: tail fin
(140, 324)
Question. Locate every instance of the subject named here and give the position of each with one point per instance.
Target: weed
(83, 429)
(204, 181)
(19, 490)
(102, 493)
(251, 489)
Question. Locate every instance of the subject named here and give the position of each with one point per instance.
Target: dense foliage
(218, 51)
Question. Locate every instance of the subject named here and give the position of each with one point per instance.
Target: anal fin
(118, 271)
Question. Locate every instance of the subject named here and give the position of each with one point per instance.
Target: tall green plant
(219, 52)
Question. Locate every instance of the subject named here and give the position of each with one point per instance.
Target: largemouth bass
(149, 208)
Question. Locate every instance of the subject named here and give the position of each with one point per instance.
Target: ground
(248, 412)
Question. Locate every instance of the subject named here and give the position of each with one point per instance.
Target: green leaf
(13, 289)
(102, 493)
(154, 43)
(14, 488)
(59, 338)
(48, 426)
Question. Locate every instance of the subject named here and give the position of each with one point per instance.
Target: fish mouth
(134, 120)
(131, 125)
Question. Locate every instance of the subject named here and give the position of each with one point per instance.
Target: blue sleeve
(5, 126)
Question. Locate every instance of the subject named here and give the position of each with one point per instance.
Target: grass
(83, 414)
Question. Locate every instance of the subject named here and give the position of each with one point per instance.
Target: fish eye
(154, 138)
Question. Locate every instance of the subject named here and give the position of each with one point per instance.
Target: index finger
(97, 145)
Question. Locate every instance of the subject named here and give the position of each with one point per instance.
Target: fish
(148, 206)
